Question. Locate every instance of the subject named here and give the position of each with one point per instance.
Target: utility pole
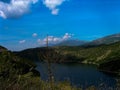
(47, 41)
(48, 60)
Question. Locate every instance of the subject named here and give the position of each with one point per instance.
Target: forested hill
(14, 69)
(89, 55)
(107, 57)
(2, 48)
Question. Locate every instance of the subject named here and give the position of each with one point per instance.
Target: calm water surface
(77, 74)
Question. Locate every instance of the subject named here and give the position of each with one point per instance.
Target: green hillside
(98, 55)
(111, 63)
(15, 71)
(88, 55)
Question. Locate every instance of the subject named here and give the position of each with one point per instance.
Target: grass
(30, 82)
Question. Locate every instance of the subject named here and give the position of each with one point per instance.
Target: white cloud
(2, 14)
(67, 36)
(34, 34)
(58, 39)
(15, 8)
(22, 41)
(55, 11)
(54, 40)
(41, 42)
(50, 39)
(53, 5)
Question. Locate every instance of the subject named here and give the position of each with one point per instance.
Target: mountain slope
(106, 40)
(106, 57)
(2, 48)
(14, 69)
(93, 55)
(111, 63)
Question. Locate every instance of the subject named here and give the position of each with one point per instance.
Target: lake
(78, 74)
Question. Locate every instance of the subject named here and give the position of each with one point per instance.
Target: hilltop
(105, 40)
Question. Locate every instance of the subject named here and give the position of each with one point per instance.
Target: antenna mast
(47, 41)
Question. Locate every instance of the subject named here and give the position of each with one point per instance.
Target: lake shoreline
(111, 73)
(77, 74)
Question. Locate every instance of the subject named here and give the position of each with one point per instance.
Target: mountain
(9, 58)
(63, 54)
(105, 40)
(14, 69)
(71, 43)
(2, 48)
(105, 57)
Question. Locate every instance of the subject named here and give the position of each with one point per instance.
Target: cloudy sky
(25, 23)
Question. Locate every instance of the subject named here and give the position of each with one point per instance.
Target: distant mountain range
(71, 43)
(104, 40)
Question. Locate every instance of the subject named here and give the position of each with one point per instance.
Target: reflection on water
(77, 74)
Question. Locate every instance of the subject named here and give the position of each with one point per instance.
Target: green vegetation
(85, 54)
(98, 55)
(111, 63)
(13, 70)
(17, 72)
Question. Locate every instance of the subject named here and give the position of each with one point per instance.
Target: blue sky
(25, 23)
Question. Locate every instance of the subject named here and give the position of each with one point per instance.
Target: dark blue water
(77, 74)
